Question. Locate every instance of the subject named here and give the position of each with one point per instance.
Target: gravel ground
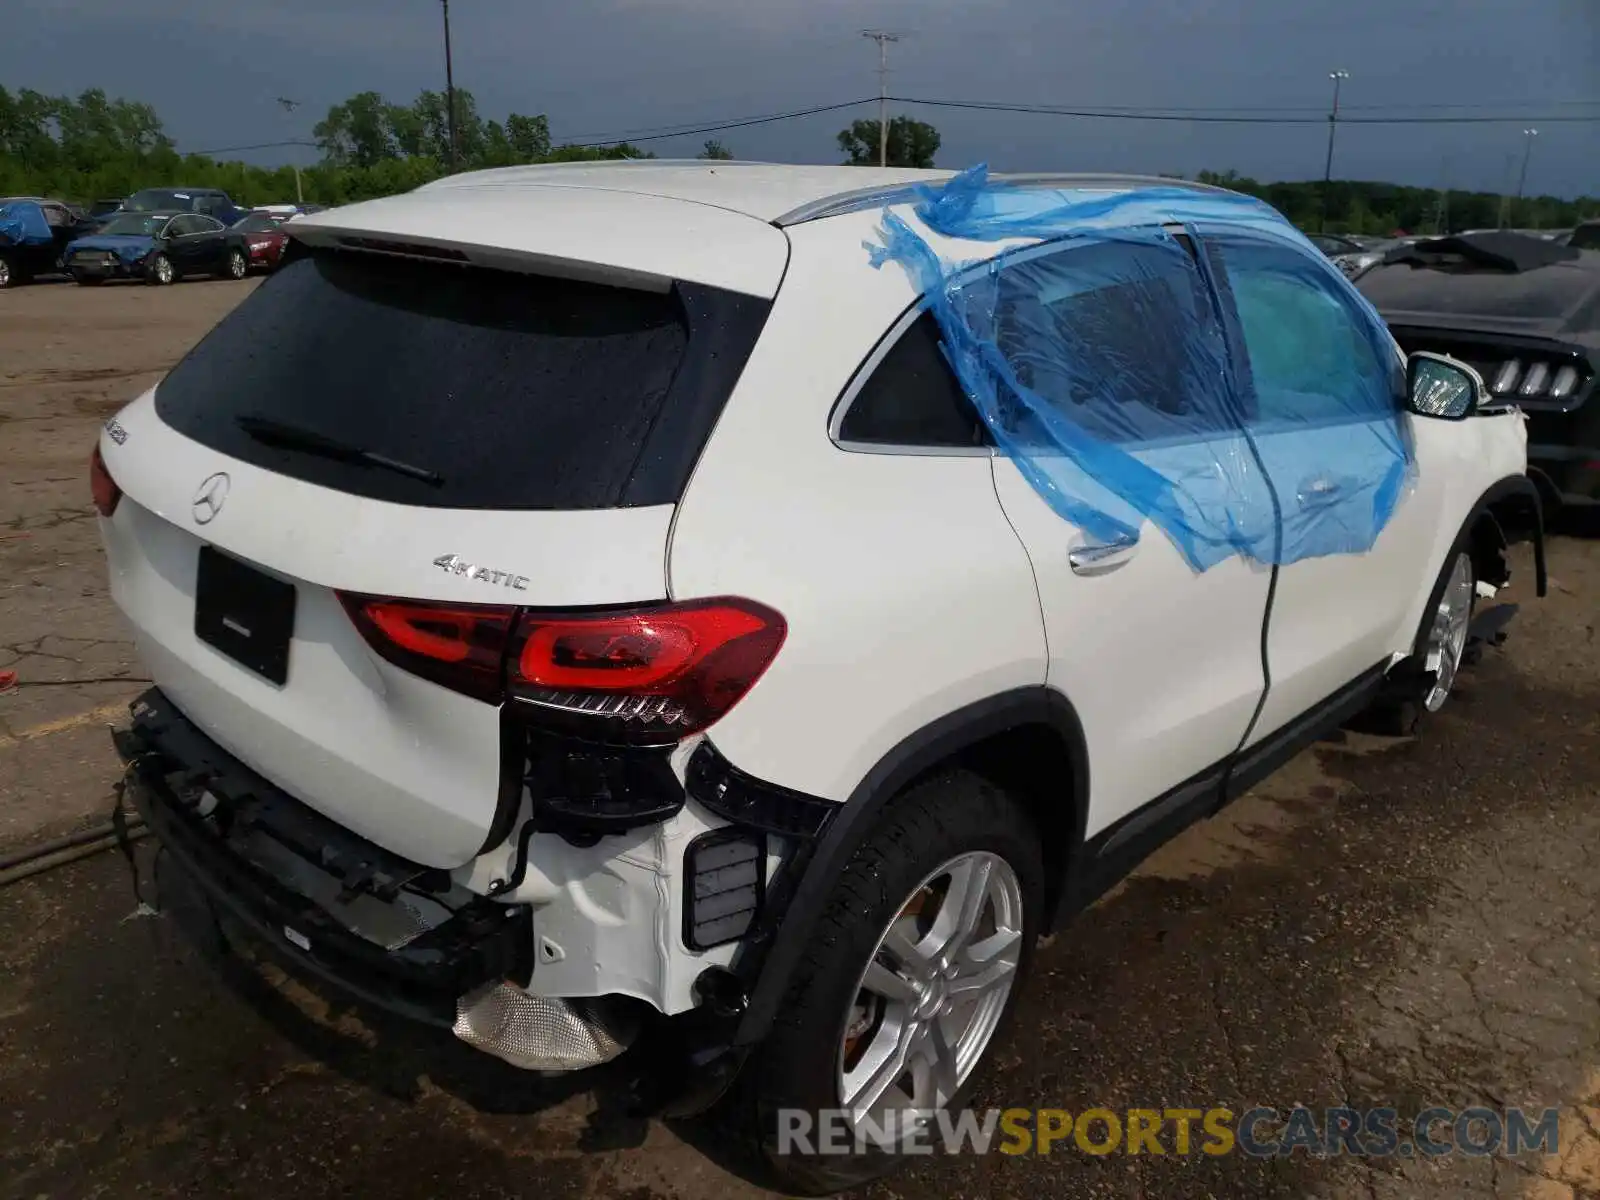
(1385, 923)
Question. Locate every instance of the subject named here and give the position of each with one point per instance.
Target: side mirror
(1440, 386)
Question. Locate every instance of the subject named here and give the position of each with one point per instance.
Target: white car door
(1162, 661)
(1326, 390)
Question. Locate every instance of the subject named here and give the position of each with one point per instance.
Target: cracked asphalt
(1384, 924)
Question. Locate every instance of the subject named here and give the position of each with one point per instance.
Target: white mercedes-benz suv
(762, 601)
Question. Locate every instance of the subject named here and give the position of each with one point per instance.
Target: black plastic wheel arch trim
(1509, 488)
(798, 893)
(744, 800)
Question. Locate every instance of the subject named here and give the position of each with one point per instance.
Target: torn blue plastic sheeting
(22, 223)
(1242, 400)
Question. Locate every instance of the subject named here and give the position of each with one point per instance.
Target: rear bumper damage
(392, 933)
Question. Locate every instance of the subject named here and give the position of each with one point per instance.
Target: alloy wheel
(932, 996)
(1447, 638)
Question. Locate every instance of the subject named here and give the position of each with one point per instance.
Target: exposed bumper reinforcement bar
(202, 805)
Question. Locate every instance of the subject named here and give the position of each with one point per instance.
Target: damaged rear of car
(418, 676)
(1525, 313)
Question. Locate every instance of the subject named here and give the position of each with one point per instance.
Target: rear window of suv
(501, 390)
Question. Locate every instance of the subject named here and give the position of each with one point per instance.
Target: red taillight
(651, 674)
(102, 487)
(461, 646)
(646, 675)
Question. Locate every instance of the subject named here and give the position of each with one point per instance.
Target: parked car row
(158, 235)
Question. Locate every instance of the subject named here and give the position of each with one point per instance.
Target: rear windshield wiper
(293, 437)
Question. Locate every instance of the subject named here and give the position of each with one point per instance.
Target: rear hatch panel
(561, 432)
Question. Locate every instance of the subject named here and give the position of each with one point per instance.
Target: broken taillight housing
(644, 676)
(102, 487)
(596, 699)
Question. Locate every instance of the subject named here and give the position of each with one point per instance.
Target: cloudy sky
(609, 68)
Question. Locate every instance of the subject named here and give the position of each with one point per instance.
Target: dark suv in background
(210, 202)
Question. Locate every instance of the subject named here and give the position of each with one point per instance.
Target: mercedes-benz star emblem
(209, 499)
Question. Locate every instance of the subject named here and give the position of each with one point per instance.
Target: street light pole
(883, 38)
(449, 89)
(1338, 77)
(299, 192)
(1527, 151)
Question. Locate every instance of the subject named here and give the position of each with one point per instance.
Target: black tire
(237, 266)
(153, 274)
(940, 818)
(12, 273)
(1402, 709)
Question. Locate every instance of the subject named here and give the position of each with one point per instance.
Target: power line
(257, 146)
(1169, 115)
(717, 128)
(1220, 116)
(682, 127)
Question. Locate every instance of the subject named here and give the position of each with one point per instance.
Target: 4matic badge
(454, 564)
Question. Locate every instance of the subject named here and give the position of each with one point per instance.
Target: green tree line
(93, 147)
(1384, 208)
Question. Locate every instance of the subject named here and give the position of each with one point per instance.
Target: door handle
(1102, 556)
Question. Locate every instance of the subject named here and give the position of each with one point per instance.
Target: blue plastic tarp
(1244, 399)
(22, 223)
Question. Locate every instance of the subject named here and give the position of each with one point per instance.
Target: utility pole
(883, 38)
(1505, 192)
(449, 90)
(1527, 152)
(1338, 77)
(299, 192)
(1441, 212)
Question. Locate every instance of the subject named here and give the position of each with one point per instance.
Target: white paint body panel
(906, 593)
(1162, 663)
(616, 231)
(402, 761)
(765, 191)
(1336, 617)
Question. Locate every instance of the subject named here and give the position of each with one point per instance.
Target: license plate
(244, 613)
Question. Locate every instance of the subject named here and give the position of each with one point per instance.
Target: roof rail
(882, 195)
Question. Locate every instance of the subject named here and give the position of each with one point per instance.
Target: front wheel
(1436, 657)
(237, 266)
(11, 275)
(909, 977)
(160, 271)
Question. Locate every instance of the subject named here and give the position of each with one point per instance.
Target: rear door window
(1121, 339)
(507, 390)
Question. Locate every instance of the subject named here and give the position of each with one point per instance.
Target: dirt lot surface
(1383, 924)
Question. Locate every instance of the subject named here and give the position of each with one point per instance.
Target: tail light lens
(645, 676)
(104, 488)
(460, 646)
(648, 676)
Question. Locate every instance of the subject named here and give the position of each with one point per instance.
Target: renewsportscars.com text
(1216, 1131)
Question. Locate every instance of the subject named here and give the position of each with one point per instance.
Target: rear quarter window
(518, 391)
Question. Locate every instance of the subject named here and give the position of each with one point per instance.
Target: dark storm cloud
(608, 67)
